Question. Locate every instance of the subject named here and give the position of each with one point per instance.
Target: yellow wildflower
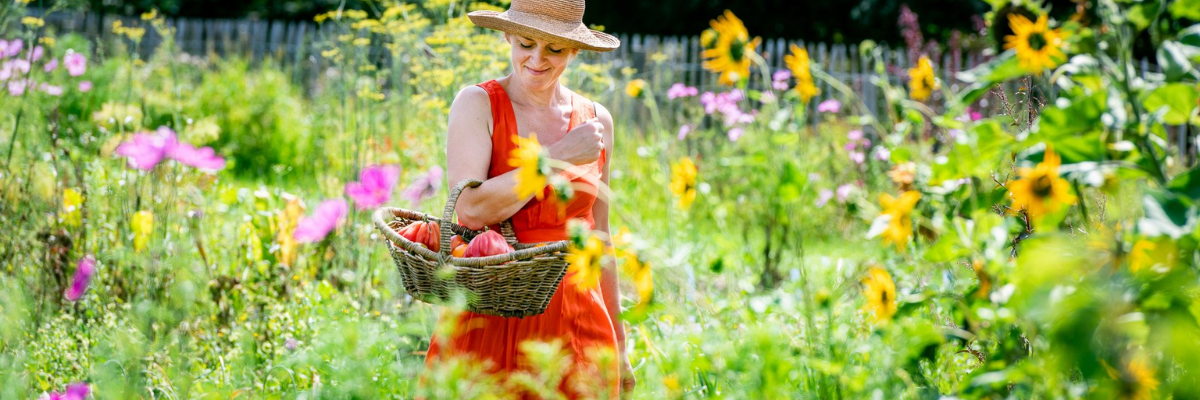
(361, 42)
(285, 230)
(33, 22)
(142, 224)
(1150, 254)
(635, 87)
(1037, 46)
(683, 181)
(46, 40)
(880, 292)
(899, 227)
(585, 262)
(146, 16)
(922, 83)
(1040, 190)
(801, 67)
(72, 206)
(731, 55)
(533, 167)
(1136, 381)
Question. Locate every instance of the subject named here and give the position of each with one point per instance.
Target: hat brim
(538, 27)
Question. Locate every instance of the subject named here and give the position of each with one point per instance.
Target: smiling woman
(487, 123)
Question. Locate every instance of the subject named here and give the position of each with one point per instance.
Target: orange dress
(577, 318)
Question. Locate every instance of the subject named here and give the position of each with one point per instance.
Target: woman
(485, 120)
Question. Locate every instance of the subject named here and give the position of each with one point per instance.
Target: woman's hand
(581, 145)
(628, 382)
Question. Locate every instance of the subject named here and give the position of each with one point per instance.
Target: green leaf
(983, 77)
(1187, 184)
(1174, 61)
(1142, 14)
(900, 155)
(1082, 114)
(1189, 9)
(1190, 36)
(1178, 98)
(1165, 215)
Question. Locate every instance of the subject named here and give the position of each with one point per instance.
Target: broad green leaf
(1174, 61)
(1187, 184)
(1165, 215)
(900, 155)
(1189, 9)
(1178, 98)
(1081, 114)
(1190, 36)
(983, 77)
(1142, 14)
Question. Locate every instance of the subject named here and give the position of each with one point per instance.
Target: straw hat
(559, 21)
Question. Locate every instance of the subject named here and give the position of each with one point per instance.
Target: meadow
(181, 226)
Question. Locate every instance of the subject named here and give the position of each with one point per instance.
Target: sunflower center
(737, 50)
(1037, 41)
(883, 296)
(1043, 186)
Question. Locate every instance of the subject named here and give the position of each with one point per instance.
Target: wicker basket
(517, 284)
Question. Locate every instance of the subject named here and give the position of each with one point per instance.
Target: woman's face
(538, 63)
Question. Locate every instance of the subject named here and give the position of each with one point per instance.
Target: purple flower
(16, 87)
(780, 85)
(76, 63)
(327, 216)
(843, 192)
(976, 115)
(52, 90)
(14, 48)
(708, 100)
(36, 53)
(51, 65)
(854, 135)
(146, 150)
(374, 186)
(680, 90)
(823, 197)
(77, 391)
(781, 75)
(735, 133)
(83, 276)
(683, 131)
(425, 186)
(290, 344)
(882, 153)
(858, 157)
(202, 158)
(829, 106)
(85, 86)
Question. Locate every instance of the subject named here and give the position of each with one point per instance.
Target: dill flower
(1037, 46)
(922, 82)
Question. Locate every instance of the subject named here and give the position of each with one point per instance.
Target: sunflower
(798, 62)
(730, 56)
(922, 83)
(533, 167)
(639, 270)
(1038, 47)
(1040, 190)
(880, 292)
(1152, 253)
(635, 87)
(1136, 380)
(899, 227)
(683, 181)
(585, 261)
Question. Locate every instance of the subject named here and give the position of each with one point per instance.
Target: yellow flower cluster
(132, 32)
(72, 206)
(33, 22)
(286, 221)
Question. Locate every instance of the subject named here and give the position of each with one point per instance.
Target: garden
(182, 225)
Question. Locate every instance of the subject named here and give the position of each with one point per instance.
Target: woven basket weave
(516, 284)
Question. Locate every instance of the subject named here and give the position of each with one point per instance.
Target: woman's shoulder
(471, 99)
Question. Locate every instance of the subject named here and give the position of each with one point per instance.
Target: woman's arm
(469, 155)
(600, 211)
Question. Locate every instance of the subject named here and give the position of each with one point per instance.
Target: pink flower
(52, 90)
(16, 87)
(146, 150)
(858, 157)
(425, 186)
(843, 192)
(680, 90)
(76, 63)
(77, 391)
(85, 86)
(36, 53)
(854, 135)
(83, 276)
(976, 115)
(708, 99)
(51, 65)
(374, 186)
(683, 131)
(882, 153)
(735, 133)
(829, 106)
(202, 158)
(6, 70)
(14, 48)
(823, 197)
(327, 216)
(768, 97)
(781, 75)
(3, 48)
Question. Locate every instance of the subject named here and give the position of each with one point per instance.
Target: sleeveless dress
(577, 318)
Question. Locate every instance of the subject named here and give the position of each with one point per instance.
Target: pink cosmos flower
(6, 70)
(844, 191)
(14, 48)
(882, 153)
(854, 135)
(146, 150)
(829, 106)
(823, 197)
(316, 227)
(51, 65)
(52, 90)
(681, 90)
(83, 276)
(425, 186)
(858, 157)
(77, 391)
(36, 53)
(374, 186)
(683, 131)
(85, 86)
(16, 87)
(202, 158)
(76, 63)
(976, 115)
(767, 97)
(735, 133)
(3, 48)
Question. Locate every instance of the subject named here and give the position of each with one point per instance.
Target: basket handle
(506, 228)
